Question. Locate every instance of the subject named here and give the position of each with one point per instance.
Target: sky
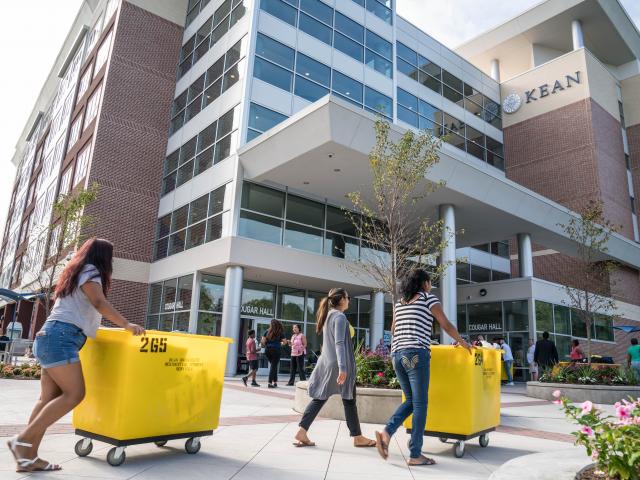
(31, 33)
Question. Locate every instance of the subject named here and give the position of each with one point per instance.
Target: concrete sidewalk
(256, 435)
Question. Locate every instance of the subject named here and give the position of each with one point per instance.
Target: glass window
(303, 238)
(260, 227)
(315, 28)
(281, 10)
(92, 106)
(179, 218)
(195, 235)
(211, 293)
(318, 9)
(578, 325)
(497, 275)
(407, 53)
(408, 100)
(348, 46)
(452, 80)
(430, 67)
(463, 273)
(347, 87)
(453, 95)
(379, 45)
(480, 274)
(475, 136)
(258, 299)
(462, 318)
(291, 304)
(74, 133)
(262, 119)
(305, 211)
(562, 319)
(484, 318)
(430, 82)
(272, 74)
(214, 227)
(215, 71)
(183, 295)
(275, 51)
(209, 323)
(155, 297)
(198, 209)
(516, 315)
(408, 69)
(495, 146)
(379, 10)
(349, 27)
(455, 139)
(313, 70)
(221, 12)
(544, 317)
(408, 116)
(309, 90)
(217, 200)
(82, 164)
(169, 295)
(378, 102)
(475, 150)
(341, 246)
(603, 327)
(339, 221)
(428, 111)
(164, 226)
(378, 63)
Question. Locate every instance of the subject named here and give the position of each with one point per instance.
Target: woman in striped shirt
(411, 330)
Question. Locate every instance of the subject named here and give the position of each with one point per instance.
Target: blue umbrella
(628, 328)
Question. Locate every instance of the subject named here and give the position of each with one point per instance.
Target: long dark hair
(412, 283)
(95, 251)
(275, 331)
(332, 300)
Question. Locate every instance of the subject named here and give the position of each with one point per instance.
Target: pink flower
(380, 374)
(594, 455)
(616, 405)
(623, 413)
(587, 431)
(556, 394)
(587, 407)
(557, 402)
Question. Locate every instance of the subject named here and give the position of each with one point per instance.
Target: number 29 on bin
(153, 345)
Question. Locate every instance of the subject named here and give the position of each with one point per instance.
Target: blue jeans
(507, 366)
(412, 369)
(58, 343)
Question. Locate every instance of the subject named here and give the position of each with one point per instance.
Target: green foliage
(374, 370)
(612, 441)
(590, 374)
(23, 371)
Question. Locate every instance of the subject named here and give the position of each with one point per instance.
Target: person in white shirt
(507, 357)
(533, 366)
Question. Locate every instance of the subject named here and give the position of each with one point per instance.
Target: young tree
(65, 231)
(590, 292)
(396, 235)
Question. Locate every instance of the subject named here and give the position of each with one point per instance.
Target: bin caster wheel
(83, 447)
(192, 446)
(161, 443)
(458, 449)
(484, 440)
(116, 456)
(443, 439)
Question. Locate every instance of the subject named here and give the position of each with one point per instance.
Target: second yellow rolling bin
(464, 395)
(152, 388)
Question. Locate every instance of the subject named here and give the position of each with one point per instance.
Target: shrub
(374, 370)
(613, 442)
(594, 374)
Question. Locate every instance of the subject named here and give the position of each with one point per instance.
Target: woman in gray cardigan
(335, 372)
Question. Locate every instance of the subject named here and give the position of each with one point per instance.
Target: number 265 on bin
(478, 357)
(153, 345)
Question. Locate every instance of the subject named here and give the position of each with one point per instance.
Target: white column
(448, 280)
(495, 69)
(376, 319)
(525, 255)
(231, 314)
(195, 303)
(576, 34)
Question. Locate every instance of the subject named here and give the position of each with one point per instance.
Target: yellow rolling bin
(464, 395)
(159, 387)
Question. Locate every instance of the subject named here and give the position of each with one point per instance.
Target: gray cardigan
(337, 355)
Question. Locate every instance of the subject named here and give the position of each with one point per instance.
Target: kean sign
(514, 101)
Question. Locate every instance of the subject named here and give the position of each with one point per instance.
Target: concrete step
(558, 465)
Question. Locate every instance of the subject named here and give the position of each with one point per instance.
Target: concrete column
(495, 69)
(195, 303)
(525, 255)
(231, 314)
(376, 319)
(448, 279)
(576, 34)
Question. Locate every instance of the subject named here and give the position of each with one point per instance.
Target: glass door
(519, 343)
(261, 327)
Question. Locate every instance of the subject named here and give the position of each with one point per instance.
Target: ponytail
(332, 300)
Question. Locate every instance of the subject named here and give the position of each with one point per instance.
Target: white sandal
(25, 463)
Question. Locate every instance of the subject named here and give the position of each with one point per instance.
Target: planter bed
(602, 394)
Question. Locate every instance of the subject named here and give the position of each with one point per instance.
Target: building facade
(270, 125)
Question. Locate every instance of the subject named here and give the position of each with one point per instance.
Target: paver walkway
(254, 441)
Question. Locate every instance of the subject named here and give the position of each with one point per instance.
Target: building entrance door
(519, 343)
(261, 327)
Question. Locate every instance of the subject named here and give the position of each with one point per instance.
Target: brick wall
(618, 350)
(573, 155)
(129, 298)
(633, 138)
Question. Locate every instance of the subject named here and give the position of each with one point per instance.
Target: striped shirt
(414, 323)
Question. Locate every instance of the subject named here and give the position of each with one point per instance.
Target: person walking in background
(533, 366)
(298, 344)
(252, 358)
(546, 354)
(633, 357)
(335, 372)
(576, 354)
(410, 353)
(507, 358)
(79, 307)
(273, 341)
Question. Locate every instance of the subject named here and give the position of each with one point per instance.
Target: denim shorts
(58, 343)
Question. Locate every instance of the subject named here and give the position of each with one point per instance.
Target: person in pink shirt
(252, 357)
(298, 344)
